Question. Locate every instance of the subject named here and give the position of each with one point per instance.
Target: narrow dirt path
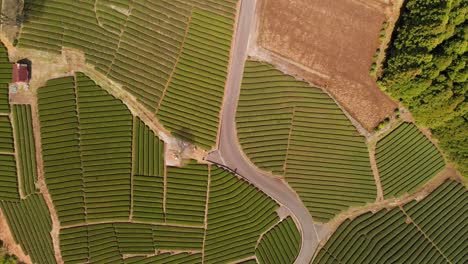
(131, 172)
(41, 182)
(393, 16)
(289, 141)
(16, 146)
(139, 110)
(169, 80)
(122, 31)
(205, 224)
(424, 233)
(375, 172)
(422, 193)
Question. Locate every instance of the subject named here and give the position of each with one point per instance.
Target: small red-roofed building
(20, 73)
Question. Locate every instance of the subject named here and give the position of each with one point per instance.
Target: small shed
(20, 73)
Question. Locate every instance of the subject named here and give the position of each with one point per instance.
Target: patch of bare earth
(9, 243)
(330, 44)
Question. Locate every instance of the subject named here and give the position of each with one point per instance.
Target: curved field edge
(281, 244)
(78, 126)
(426, 70)
(291, 129)
(431, 230)
(171, 56)
(406, 159)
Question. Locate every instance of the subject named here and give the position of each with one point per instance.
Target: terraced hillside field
(433, 230)
(6, 135)
(132, 204)
(24, 137)
(87, 134)
(236, 217)
(281, 244)
(30, 224)
(148, 174)
(5, 79)
(8, 176)
(297, 131)
(406, 159)
(172, 55)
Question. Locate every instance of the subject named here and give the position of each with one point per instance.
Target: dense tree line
(6, 258)
(426, 69)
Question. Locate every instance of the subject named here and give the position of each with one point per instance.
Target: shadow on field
(183, 135)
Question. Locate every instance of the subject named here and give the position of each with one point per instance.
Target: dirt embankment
(9, 243)
(330, 44)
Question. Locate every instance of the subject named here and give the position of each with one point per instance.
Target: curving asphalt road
(229, 152)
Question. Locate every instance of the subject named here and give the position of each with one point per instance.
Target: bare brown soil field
(335, 42)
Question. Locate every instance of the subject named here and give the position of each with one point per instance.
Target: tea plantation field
(83, 178)
(5, 78)
(171, 55)
(113, 194)
(433, 230)
(297, 131)
(406, 159)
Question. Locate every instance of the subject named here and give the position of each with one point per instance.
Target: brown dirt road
(333, 43)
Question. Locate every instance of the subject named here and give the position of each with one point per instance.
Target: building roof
(20, 73)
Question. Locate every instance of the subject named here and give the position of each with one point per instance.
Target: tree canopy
(426, 70)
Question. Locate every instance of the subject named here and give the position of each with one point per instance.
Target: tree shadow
(184, 135)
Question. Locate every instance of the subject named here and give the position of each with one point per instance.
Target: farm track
(229, 152)
(41, 181)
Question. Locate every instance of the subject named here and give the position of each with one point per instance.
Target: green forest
(5, 257)
(426, 70)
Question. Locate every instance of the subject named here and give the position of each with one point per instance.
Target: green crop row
(6, 135)
(103, 245)
(148, 149)
(107, 243)
(118, 43)
(226, 9)
(178, 238)
(443, 217)
(134, 238)
(26, 148)
(186, 190)
(59, 124)
(281, 244)
(148, 192)
(8, 178)
(195, 92)
(30, 224)
(167, 258)
(236, 212)
(421, 232)
(106, 151)
(406, 159)
(5, 79)
(291, 129)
